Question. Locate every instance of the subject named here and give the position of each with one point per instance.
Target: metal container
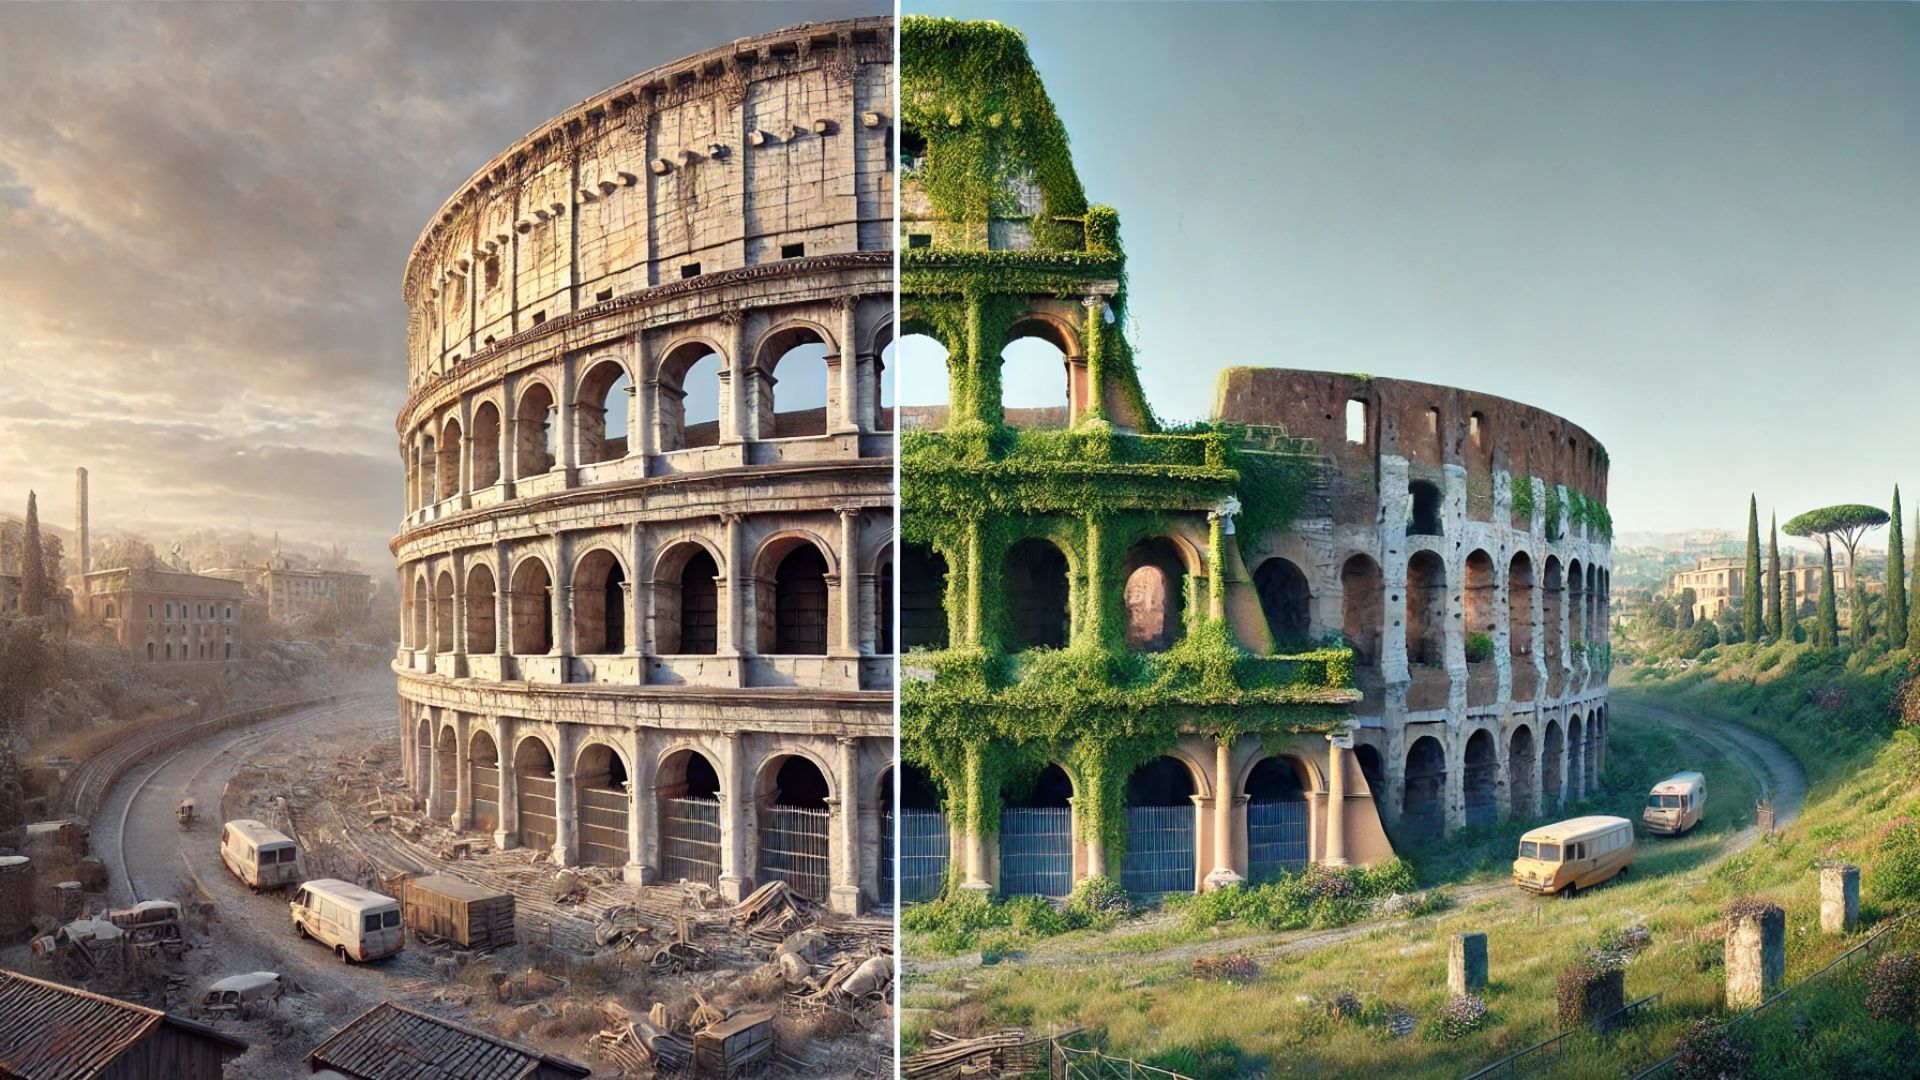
(16, 897)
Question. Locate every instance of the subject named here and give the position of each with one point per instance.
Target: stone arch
(1362, 593)
(1286, 598)
(534, 785)
(923, 593)
(600, 602)
(793, 594)
(422, 598)
(1423, 800)
(1426, 623)
(1159, 807)
(429, 470)
(1523, 771)
(1037, 574)
(1576, 602)
(1154, 590)
(446, 770)
(603, 804)
(1036, 835)
(448, 464)
(1424, 508)
(1479, 776)
(687, 797)
(443, 612)
(483, 778)
(601, 411)
(923, 380)
(530, 607)
(1590, 759)
(1552, 747)
(481, 605)
(1551, 611)
(1576, 758)
(1034, 342)
(686, 598)
(423, 753)
(792, 799)
(880, 349)
(534, 430)
(795, 354)
(691, 376)
(1278, 790)
(486, 445)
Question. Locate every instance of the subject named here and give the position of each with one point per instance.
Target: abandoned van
(359, 923)
(260, 857)
(1674, 804)
(1566, 857)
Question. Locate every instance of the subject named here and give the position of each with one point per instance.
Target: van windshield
(1530, 849)
(1664, 802)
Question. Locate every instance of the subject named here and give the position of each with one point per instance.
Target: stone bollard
(1756, 951)
(1467, 964)
(1839, 897)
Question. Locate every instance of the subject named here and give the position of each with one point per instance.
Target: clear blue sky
(1693, 229)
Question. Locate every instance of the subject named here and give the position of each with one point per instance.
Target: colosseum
(646, 558)
(1344, 613)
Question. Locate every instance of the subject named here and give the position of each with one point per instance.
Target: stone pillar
(503, 605)
(462, 817)
(1756, 955)
(735, 377)
(1094, 609)
(459, 641)
(1336, 850)
(507, 836)
(640, 782)
(849, 585)
(1839, 897)
(735, 585)
(736, 802)
(431, 775)
(509, 445)
(1222, 874)
(845, 364)
(1219, 525)
(1096, 842)
(975, 866)
(971, 592)
(845, 864)
(1467, 964)
(634, 424)
(1456, 787)
(568, 422)
(566, 846)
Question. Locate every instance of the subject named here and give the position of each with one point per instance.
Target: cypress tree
(1827, 624)
(1896, 577)
(33, 567)
(1750, 604)
(1789, 609)
(1859, 629)
(1913, 593)
(1774, 585)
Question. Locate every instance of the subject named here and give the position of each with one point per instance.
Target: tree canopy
(1845, 521)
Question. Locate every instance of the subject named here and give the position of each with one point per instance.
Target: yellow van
(359, 923)
(260, 857)
(1572, 855)
(1674, 804)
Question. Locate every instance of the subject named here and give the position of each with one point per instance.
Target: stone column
(432, 774)
(971, 593)
(650, 431)
(640, 812)
(459, 642)
(1096, 349)
(736, 802)
(1456, 787)
(975, 867)
(562, 602)
(849, 419)
(849, 584)
(566, 846)
(845, 892)
(734, 379)
(1756, 955)
(1096, 841)
(1336, 850)
(1219, 525)
(503, 606)
(634, 424)
(1839, 897)
(568, 422)
(1094, 607)
(462, 817)
(735, 588)
(1467, 964)
(509, 444)
(1222, 873)
(507, 835)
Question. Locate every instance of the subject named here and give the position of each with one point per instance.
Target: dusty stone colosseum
(646, 557)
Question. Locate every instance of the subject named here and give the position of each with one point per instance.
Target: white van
(359, 923)
(1674, 804)
(260, 857)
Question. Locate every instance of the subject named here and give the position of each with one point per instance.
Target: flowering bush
(1893, 988)
(1705, 1052)
(1237, 968)
(1462, 1016)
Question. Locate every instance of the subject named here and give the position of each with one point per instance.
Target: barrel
(16, 897)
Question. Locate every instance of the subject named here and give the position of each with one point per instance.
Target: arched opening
(483, 779)
(1036, 379)
(1550, 756)
(923, 592)
(1551, 614)
(689, 404)
(422, 750)
(1036, 579)
(1576, 603)
(429, 472)
(531, 605)
(883, 379)
(1373, 768)
(533, 432)
(601, 412)
(1160, 811)
(687, 788)
(480, 601)
(1481, 608)
(604, 806)
(793, 613)
(1522, 768)
(883, 800)
(1360, 604)
(1591, 759)
(443, 613)
(886, 628)
(686, 602)
(486, 446)
(422, 599)
(449, 460)
(599, 605)
(1426, 609)
(794, 404)
(1287, 602)
(1576, 759)
(1154, 593)
(794, 822)
(534, 785)
(1423, 806)
(1423, 508)
(1526, 680)
(924, 386)
(446, 773)
(1278, 817)
(416, 483)
(924, 844)
(1036, 837)
(1479, 774)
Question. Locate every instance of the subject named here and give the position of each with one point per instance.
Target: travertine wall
(581, 604)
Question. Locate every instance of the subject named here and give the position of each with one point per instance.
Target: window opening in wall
(800, 603)
(699, 607)
(1423, 509)
(489, 341)
(606, 397)
(690, 270)
(793, 400)
(689, 401)
(493, 272)
(913, 147)
(923, 590)
(1473, 429)
(793, 251)
(539, 317)
(1286, 601)
(1154, 595)
(1433, 421)
(1036, 379)
(1036, 577)
(603, 296)
(919, 240)
(922, 387)
(1356, 421)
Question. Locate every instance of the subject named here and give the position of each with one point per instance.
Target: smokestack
(80, 519)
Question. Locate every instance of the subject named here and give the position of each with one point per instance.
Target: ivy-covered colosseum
(646, 560)
(1343, 609)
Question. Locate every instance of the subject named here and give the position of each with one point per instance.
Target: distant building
(53, 1031)
(59, 605)
(168, 615)
(369, 1047)
(291, 594)
(1718, 583)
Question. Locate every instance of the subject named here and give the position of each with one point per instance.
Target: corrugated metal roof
(54, 1032)
(392, 1042)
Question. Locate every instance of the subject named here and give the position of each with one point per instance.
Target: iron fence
(924, 850)
(1277, 838)
(794, 849)
(690, 840)
(1515, 1064)
(486, 797)
(604, 814)
(1036, 851)
(1071, 1064)
(537, 812)
(1159, 856)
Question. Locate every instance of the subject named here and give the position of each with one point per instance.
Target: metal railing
(924, 850)
(486, 797)
(794, 849)
(537, 812)
(604, 813)
(1516, 1063)
(1159, 856)
(690, 840)
(1036, 851)
(1278, 839)
(1071, 1064)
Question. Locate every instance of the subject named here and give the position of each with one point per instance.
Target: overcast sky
(205, 211)
(1693, 229)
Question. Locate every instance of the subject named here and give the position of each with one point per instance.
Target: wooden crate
(734, 1046)
(466, 914)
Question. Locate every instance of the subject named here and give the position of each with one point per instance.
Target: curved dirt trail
(1776, 772)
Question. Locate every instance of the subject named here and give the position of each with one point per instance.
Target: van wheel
(300, 928)
(1572, 890)
(342, 950)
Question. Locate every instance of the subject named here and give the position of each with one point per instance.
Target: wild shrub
(1319, 896)
(1479, 647)
(1893, 988)
(1589, 990)
(1233, 968)
(1461, 1016)
(1896, 867)
(1704, 1051)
